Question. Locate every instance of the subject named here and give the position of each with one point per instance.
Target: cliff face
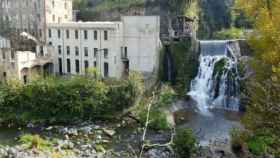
(103, 11)
(214, 15)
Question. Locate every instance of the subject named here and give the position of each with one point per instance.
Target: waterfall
(217, 82)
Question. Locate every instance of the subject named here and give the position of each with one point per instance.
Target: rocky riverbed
(123, 139)
(87, 139)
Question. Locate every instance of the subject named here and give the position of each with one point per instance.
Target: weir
(217, 82)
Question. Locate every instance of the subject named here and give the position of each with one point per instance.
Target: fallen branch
(146, 126)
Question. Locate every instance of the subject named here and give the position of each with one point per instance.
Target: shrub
(232, 33)
(35, 141)
(61, 100)
(238, 141)
(158, 117)
(185, 143)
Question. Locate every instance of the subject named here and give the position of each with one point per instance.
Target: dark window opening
(106, 53)
(105, 35)
(86, 65)
(77, 51)
(60, 66)
(67, 34)
(68, 50)
(50, 33)
(86, 51)
(58, 33)
(76, 34)
(95, 35)
(77, 64)
(59, 49)
(85, 34)
(68, 66)
(106, 69)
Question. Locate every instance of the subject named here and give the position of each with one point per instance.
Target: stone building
(23, 64)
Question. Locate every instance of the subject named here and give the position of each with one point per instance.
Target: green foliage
(219, 67)
(118, 4)
(257, 143)
(186, 64)
(185, 143)
(61, 100)
(80, 4)
(231, 33)
(158, 117)
(35, 141)
(166, 97)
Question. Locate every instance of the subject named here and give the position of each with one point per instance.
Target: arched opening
(48, 69)
(24, 75)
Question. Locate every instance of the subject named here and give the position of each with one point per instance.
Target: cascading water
(217, 82)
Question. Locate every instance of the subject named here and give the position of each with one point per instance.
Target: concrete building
(114, 48)
(32, 16)
(67, 47)
(22, 65)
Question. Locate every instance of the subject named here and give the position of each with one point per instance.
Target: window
(53, 18)
(94, 64)
(106, 69)
(105, 35)
(50, 33)
(67, 34)
(105, 53)
(41, 51)
(5, 75)
(77, 51)
(59, 49)
(53, 5)
(95, 52)
(85, 34)
(125, 52)
(40, 32)
(68, 50)
(86, 51)
(77, 64)
(60, 65)
(12, 55)
(68, 66)
(58, 33)
(95, 35)
(76, 34)
(86, 65)
(4, 55)
(50, 43)
(65, 5)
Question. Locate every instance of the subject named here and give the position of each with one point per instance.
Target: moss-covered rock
(219, 67)
(185, 64)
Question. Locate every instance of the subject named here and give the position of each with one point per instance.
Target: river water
(207, 128)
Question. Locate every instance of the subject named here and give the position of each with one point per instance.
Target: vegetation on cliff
(262, 119)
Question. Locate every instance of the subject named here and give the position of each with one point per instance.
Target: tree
(264, 88)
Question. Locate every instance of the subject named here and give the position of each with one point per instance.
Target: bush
(238, 141)
(35, 141)
(232, 33)
(257, 143)
(158, 117)
(61, 100)
(185, 143)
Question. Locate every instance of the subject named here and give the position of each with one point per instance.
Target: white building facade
(70, 48)
(113, 48)
(32, 16)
